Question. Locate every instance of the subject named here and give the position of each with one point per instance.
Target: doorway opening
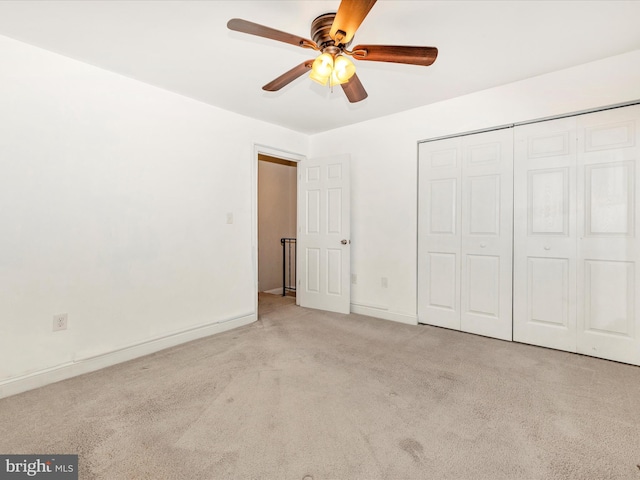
(277, 226)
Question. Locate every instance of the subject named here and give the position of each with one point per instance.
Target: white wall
(384, 166)
(113, 205)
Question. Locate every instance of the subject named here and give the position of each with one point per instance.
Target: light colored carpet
(302, 394)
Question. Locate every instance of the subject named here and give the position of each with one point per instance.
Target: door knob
(344, 242)
(482, 245)
(547, 247)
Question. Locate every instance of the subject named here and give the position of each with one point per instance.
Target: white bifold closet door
(576, 251)
(465, 233)
(544, 281)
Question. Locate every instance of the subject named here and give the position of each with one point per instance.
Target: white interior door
(324, 235)
(487, 234)
(608, 246)
(439, 237)
(544, 283)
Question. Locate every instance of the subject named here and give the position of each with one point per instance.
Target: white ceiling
(185, 47)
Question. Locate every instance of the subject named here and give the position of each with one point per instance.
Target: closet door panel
(608, 248)
(439, 169)
(487, 218)
(544, 283)
(442, 268)
(548, 292)
(483, 294)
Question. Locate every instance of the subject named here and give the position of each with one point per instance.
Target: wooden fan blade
(244, 26)
(396, 54)
(354, 90)
(350, 15)
(288, 77)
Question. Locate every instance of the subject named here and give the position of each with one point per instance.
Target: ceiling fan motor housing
(320, 29)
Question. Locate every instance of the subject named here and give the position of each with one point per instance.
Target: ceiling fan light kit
(322, 68)
(343, 70)
(336, 70)
(332, 33)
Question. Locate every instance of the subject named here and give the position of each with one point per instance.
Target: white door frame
(272, 152)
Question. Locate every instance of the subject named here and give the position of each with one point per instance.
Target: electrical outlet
(60, 322)
(384, 283)
(354, 278)
(229, 218)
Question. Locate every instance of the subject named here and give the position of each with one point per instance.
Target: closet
(560, 198)
(576, 250)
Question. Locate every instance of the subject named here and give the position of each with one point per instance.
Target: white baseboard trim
(383, 313)
(275, 291)
(81, 366)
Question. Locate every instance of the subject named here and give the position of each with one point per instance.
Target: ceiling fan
(332, 33)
